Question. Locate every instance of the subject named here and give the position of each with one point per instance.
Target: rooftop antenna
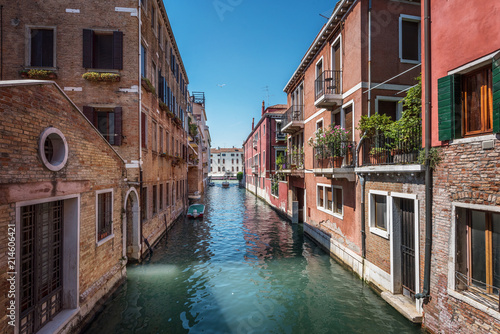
(266, 89)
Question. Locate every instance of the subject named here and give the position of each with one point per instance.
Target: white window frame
(342, 116)
(452, 257)
(112, 235)
(322, 122)
(320, 60)
(27, 56)
(411, 18)
(339, 40)
(399, 110)
(371, 214)
(324, 209)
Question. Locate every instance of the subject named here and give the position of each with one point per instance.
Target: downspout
(369, 57)
(425, 294)
(363, 218)
(1, 42)
(140, 122)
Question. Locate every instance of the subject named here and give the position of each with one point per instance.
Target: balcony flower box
(337, 162)
(38, 74)
(148, 87)
(101, 77)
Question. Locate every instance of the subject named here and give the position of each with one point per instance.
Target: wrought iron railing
(328, 82)
(401, 147)
(295, 160)
(334, 155)
(294, 113)
(280, 136)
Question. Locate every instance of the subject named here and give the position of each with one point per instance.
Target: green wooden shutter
(496, 94)
(449, 111)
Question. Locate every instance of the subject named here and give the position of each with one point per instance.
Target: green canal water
(243, 269)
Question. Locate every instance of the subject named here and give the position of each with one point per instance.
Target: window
(143, 61)
(466, 100)
(478, 253)
(232, 168)
(232, 161)
(144, 204)
(53, 149)
(219, 169)
(144, 130)
(161, 140)
(223, 161)
(108, 122)
(42, 47)
(330, 200)
(153, 18)
(102, 50)
(104, 215)
(161, 197)
(167, 197)
(237, 169)
(378, 214)
(409, 38)
(389, 106)
(154, 136)
(319, 124)
(155, 199)
(153, 76)
(477, 107)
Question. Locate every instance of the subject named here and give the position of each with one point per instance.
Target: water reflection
(243, 270)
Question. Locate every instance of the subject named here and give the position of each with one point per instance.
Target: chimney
(263, 108)
(253, 124)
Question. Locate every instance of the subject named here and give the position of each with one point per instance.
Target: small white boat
(195, 196)
(211, 184)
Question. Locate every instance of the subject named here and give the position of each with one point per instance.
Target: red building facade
(465, 119)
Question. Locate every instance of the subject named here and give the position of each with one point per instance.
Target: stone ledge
(404, 306)
(414, 168)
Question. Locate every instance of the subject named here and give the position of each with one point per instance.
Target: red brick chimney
(263, 108)
(253, 123)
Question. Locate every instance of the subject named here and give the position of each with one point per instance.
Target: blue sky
(247, 45)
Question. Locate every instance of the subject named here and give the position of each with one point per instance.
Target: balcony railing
(295, 160)
(327, 88)
(280, 136)
(392, 148)
(255, 169)
(335, 155)
(293, 119)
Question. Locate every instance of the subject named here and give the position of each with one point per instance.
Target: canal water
(243, 269)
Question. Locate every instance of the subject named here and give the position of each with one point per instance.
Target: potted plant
(38, 74)
(330, 145)
(378, 155)
(146, 84)
(98, 76)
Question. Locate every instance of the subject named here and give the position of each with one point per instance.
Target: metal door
(408, 245)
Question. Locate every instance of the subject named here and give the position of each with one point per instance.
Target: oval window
(53, 149)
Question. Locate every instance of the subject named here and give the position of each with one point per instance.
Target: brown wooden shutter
(118, 50)
(118, 126)
(90, 114)
(87, 47)
(143, 130)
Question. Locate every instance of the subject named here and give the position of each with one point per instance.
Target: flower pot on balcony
(337, 162)
(323, 162)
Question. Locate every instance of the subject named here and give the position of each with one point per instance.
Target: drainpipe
(363, 232)
(140, 122)
(369, 57)
(1, 42)
(425, 294)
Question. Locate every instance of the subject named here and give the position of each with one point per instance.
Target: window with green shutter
(469, 104)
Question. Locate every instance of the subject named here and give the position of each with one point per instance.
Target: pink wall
(461, 31)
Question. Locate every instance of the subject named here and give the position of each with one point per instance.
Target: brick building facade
(129, 81)
(465, 118)
(61, 203)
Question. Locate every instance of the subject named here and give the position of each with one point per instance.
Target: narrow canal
(243, 269)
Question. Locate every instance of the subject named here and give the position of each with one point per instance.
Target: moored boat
(225, 184)
(196, 211)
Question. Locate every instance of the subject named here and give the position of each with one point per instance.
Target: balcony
(328, 90)
(392, 152)
(293, 119)
(294, 163)
(335, 160)
(255, 169)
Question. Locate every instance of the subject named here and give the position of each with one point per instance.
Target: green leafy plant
(371, 125)
(330, 142)
(148, 86)
(239, 176)
(434, 157)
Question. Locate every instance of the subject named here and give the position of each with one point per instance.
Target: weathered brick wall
(92, 165)
(467, 174)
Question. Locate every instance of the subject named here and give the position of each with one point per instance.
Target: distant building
(266, 145)
(226, 162)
